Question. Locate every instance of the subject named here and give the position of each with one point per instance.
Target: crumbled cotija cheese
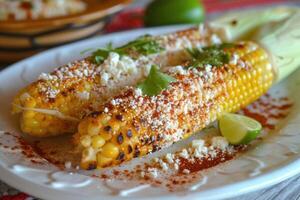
(138, 92)
(106, 110)
(234, 59)
(219, 142)
(68, 165)
(163, 165)
(197, 150)
(176, 166)
(184, 154)
(198, 144)
(24, 96)
(153, 172)
(178, 70)
(169, 158)
(45, 76)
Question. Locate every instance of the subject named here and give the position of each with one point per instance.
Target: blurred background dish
(27, 27)
(37, 9)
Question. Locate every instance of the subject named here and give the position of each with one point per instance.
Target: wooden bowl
(20, 39)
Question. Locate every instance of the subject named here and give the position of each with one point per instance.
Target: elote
(218, 79)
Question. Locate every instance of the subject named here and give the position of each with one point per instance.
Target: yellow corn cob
(132, 125)
(71, 91)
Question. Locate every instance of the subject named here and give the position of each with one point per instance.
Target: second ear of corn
(132, 125)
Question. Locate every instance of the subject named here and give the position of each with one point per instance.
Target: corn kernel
(106, 136)
(30, 103)
(110, 150)
(115, 125)
(28, 114)
(93, 129)
(104, 119)
(85, 141)
(97, 141)
(102, 160)
(88, 154)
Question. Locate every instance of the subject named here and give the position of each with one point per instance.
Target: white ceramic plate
(274, 159)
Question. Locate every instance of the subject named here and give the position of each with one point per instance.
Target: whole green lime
(165, 12)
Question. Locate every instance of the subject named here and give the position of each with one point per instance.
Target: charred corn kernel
(192, 102)
(76, 89)
(110, 150)
(89, 165)
(97, 141)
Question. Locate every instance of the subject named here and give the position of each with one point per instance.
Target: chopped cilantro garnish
(144, 45)
(155, 82)
(212, 55)
(100, 55)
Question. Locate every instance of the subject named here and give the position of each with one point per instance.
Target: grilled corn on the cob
(132, 125)
(57, 101)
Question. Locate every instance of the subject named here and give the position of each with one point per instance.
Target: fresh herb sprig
(155, 82)
(213, 55)
(144, 45)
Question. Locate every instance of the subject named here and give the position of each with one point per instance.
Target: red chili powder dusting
(207, 162)
(116, 173)
(25, 148)
(47, 156)
(267, 108)
(259, 117)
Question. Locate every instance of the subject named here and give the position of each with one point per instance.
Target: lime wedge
(166, 12)
(239, 129)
